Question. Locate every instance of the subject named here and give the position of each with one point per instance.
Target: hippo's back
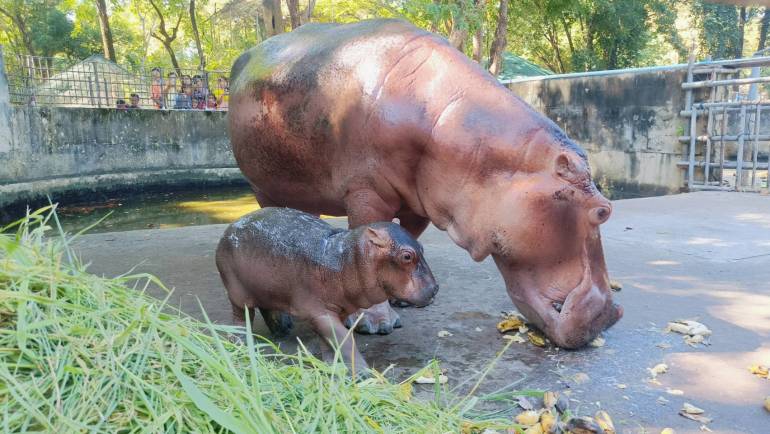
(284, 233)
(300, 107)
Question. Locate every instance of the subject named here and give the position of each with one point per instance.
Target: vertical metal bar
(722, 146)
(756, 149)
(739, 157)
(693, 122)
(709, 127)
(96, 82)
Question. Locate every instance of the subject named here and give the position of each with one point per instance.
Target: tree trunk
(458, 34)
(478, 36)
(172, 56)
(307, 13)
(741, 27)
(165, 37)
(293, 6)
(498, 45)
(104, 25)
(197, 36)
(273, 16)
(763, 29)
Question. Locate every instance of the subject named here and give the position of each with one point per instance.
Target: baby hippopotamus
(289, 263)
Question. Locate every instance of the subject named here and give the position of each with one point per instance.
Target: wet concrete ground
(703, 256)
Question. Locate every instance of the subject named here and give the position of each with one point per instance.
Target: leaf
(404, 392)
(509, 323)
(605, 422)
(695, 417)
(442, 379)
(691, 409)
(515, 338)
(660, 368)
(525, 403)
(536, 338)
(527, 418)
(760, 371)
(767, 403)
(615, 285)
(598, 342)
(675, 392)
(444, 334)
(207, 406)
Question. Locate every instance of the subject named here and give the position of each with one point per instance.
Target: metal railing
(729, 138)
(96, 82)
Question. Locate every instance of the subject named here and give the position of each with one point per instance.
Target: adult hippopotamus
(379, 119)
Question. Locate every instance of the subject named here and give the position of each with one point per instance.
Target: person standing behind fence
(170, 91)
(199, 93)
(156, 89)
(222, 92)
(184, 98)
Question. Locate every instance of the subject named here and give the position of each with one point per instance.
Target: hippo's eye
(406, 257)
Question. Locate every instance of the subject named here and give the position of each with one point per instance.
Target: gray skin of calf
(290, 264)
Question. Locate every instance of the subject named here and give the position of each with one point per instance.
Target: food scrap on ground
(760, 371)
(694, 413)
(660, 368)
(694, 332)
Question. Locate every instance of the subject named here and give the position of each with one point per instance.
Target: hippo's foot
(378, 319)
(279, 323)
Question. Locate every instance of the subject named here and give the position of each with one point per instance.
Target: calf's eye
(407, 257)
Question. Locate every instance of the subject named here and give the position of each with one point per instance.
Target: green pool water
(159, 210)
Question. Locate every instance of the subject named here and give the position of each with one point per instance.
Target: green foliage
(82, 353)
(562, 35)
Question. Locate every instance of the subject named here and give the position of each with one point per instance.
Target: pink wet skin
(379, 119)
(291, 264)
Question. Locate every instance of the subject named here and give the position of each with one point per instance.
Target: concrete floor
(703, 256)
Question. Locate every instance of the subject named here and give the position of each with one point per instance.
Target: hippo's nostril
(556, 305)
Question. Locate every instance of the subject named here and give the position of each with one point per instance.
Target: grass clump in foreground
(82, 353)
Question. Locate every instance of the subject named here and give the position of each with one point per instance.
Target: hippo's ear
(564, 167)
(379, 237)
(568, 168)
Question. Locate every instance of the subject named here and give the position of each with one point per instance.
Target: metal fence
(727, 105)
(97, 82)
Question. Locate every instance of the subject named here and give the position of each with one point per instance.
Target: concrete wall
(58, 150)
(628, 122)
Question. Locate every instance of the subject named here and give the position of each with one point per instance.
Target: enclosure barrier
(97, 82)
(732, 106)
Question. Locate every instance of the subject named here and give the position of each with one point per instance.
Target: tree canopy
(561, 35)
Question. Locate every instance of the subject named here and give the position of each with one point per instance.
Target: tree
(18, 13)
(163, 34)
(197, 37)
(104, 25)
(498, 45)
(293, 6)
(273, 16)
(763, 29)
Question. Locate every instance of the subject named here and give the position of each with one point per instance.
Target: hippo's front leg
(365, 206)
(334, 334)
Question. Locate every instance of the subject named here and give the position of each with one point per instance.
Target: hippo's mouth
(570, 319)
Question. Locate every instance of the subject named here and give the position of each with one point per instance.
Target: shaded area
(667, 251)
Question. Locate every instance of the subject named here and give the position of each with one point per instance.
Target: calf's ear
(379, 237)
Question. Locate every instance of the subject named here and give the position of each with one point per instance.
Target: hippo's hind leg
(280, 323)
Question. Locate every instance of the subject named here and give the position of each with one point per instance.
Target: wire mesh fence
(97, 82)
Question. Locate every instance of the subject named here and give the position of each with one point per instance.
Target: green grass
(82, 353)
